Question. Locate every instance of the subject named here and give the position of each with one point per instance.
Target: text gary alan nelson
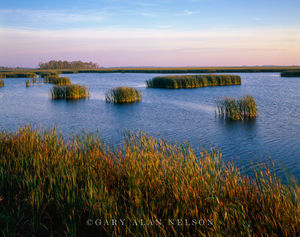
(145, 222)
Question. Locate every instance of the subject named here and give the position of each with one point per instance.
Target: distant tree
(53, 64)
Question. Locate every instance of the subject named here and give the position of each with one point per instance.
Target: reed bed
(290, 74)
(45, 74)
(69, 92)
(237, 109)
(123, 95)
(193, 81)
(1, 83)
(61, 81)
(17, 75)
(50, 186)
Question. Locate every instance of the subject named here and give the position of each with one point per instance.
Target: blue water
(178, 115)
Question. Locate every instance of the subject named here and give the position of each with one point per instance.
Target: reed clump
(27, 83)
(123, 95)
(69, 92)
(237, 109)
(193, 81)
(61, 81)
(294, 73)
(51, 186)
(1, 83)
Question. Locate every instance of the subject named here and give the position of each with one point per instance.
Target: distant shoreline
(165, 69)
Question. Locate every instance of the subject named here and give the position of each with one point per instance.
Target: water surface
(178, 115)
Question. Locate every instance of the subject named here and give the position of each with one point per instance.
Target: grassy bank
(193, 81)
(290, 74)
(56, 80)
(69, 92)
(23, 74)
(123, 95)
(1, 83)
(50, 186)
(237, 109)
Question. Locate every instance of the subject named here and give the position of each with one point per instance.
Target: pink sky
(162, 47)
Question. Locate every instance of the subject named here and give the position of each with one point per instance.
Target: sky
(117, 33)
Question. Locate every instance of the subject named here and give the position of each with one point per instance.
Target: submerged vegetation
(241, 109)
(19, 74)
(290, 74)
(193, 81)
(123, 95)
(1, 83)
(51, 186)
(61, 81)
(69, 92)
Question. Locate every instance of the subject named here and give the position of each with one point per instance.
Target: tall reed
(61, 81)
(193, 81)
(1, 83)
(50, 186)
(70, 92)
(241, 109)
(123, 95)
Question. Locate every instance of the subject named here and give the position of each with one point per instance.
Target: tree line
(53, 64)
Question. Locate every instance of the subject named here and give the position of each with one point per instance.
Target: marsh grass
(123, 95)
(61, 81)
(17, 75)
(50, 186)
(69, 92)
(1, 83)
(193, 81)
(237, 109)
(295, 73)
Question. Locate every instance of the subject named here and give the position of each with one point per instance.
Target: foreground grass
(290, 74)
(237, 109)
(52, 186)
(69, 92)
(123, 95)
(193, 81)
